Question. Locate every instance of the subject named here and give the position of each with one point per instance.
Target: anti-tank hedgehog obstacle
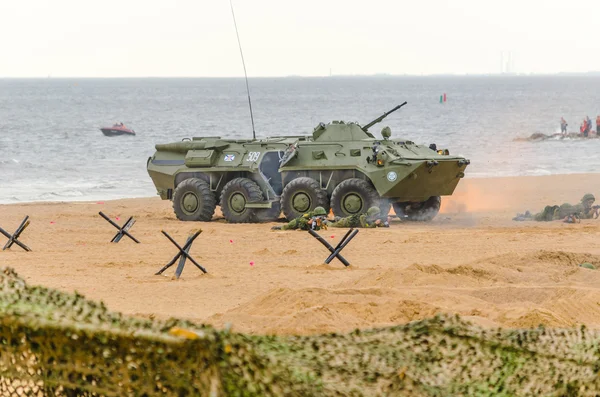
(182, 255)
(335, 252)
(123, 230)
(14, 238)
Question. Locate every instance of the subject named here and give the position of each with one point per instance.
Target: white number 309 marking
(253, 156)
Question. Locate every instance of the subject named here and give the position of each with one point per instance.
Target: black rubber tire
(316, 197)
(194, 189)
(418, 212)
(358, 187)
(269, 215)
(243, 190)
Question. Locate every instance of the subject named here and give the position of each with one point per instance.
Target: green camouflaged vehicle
(340, 166)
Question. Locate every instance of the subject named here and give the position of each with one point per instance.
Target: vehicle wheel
(423, 211)
(236, 193)
(302, 195)
(353, 196)
(193, 201)
(269, 215)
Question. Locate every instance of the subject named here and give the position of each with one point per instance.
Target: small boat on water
(116, 130)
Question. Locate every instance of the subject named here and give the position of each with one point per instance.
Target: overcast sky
(112, 38)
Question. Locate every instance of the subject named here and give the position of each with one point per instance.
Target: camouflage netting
(53, 343)
(61, 344)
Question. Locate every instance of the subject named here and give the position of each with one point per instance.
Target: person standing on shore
(597, 125)
(563, 126)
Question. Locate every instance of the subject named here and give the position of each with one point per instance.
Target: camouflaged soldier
(370, 219)
(585, 209)
(315, 220)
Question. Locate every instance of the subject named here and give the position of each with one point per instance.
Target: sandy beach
(472, 260)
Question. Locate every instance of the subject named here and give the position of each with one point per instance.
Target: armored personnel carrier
(340, 166)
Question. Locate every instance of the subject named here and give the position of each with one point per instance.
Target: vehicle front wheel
(423, 211)
(302, 195)
(236, 193)
(353, 196)
(193, 201)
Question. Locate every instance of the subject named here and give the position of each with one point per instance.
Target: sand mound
(421, 275)
(513, 290)
(538, 267)
(536, 317)
(310, 310)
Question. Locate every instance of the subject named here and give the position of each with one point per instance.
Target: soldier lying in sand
(569, 213)
(370, 219)
(315, 220)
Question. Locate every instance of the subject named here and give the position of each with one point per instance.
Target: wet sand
(472, 260)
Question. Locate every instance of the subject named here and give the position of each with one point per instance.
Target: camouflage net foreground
(57, 344)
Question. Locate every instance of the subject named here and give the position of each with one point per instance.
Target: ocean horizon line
(292, 76)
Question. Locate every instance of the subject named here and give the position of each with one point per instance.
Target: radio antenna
(245, 74)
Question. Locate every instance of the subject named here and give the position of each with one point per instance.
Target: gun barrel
(383, 116)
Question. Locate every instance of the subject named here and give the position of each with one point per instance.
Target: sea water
(51, 147)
